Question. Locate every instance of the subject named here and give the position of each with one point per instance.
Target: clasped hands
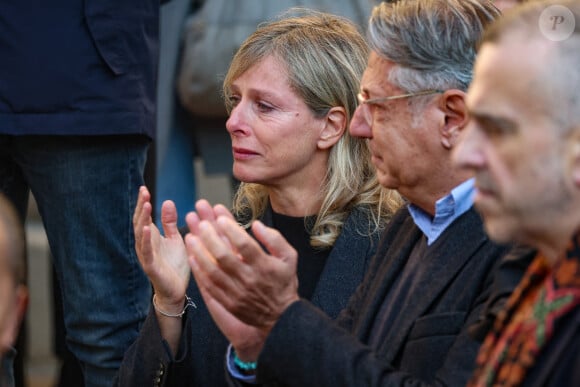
(245, 288)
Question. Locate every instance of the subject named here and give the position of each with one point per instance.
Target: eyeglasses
(364, 103)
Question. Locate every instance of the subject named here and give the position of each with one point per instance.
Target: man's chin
(498, 237)
(498, 229)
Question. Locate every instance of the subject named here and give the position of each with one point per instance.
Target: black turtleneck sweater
(311, 261)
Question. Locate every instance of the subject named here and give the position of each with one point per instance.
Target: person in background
(78, 113)
(174, 141)
(523, 144)
(408, 322)
(13, 291)
(291, 91)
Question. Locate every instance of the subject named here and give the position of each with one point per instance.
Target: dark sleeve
(306, 348)
(320, 353)
(566, 369)
(507, 276)
(148, 359)
(559, 362)
(200, 359)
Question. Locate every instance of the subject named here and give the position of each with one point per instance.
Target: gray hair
(433, 42)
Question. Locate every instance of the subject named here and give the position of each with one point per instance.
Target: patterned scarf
(544, 295)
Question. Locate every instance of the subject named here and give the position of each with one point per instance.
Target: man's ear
(334, 127)
(452, 104)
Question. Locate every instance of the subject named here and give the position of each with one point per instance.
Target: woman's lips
(243, 153)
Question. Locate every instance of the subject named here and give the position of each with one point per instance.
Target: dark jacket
(74, 67)
(201, 358)
(430, 344)
(559, 363)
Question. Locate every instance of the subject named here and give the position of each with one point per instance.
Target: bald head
(523, 142)
(553, 26)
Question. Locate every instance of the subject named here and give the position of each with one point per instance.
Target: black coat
(559, 363)
(200, 360)
(431, 344)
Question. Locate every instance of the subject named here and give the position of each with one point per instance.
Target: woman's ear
(334, 127)
(452, 104)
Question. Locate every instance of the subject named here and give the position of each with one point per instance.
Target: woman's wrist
(172, 309)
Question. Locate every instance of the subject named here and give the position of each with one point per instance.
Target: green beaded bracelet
(243, 365)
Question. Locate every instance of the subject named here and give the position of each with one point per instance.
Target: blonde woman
(291, 91)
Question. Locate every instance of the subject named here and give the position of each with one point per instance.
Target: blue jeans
(86, 189)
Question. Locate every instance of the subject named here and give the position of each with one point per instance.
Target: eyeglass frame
(374, 101)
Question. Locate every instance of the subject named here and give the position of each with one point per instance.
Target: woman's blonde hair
(325, 56)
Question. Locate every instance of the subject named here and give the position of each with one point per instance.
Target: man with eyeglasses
(433, 274)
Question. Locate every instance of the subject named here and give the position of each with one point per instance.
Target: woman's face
(274, 134)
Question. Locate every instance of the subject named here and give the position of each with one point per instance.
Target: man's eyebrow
(491, 121)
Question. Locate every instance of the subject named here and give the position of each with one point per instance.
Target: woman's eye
(234, 100)
(263, 107)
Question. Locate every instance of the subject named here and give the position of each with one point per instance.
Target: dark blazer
(430, 345)
(72, 67)
(201, 358)
(559, 362)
